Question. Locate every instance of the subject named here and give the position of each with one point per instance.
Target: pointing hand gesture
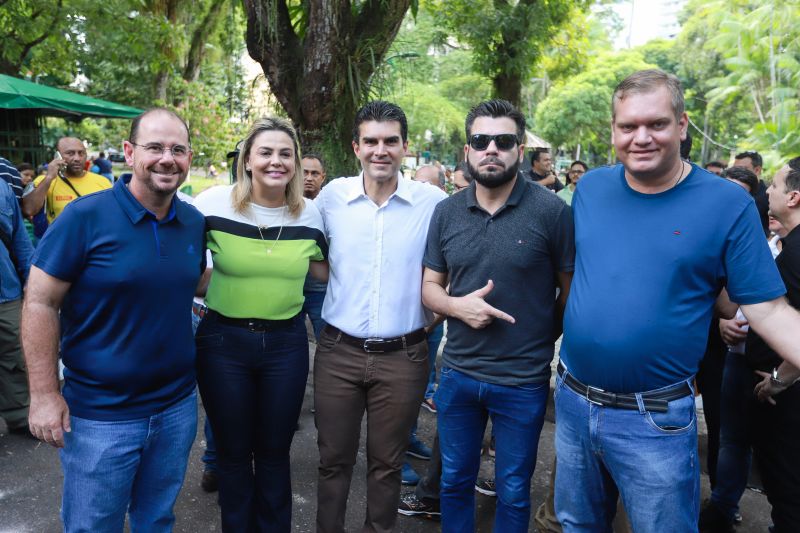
(473, 310)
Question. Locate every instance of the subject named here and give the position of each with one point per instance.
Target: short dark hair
(462, 166)
(380, 111)
(646, 81)
(793, 177)
(686, 146)
(538, 152)
(581, 163)
(714, 164)
(138, 120)
(314, 155)
(496, 109)
(755, 157)
(22, 167)
(101, 154)
(743, 175)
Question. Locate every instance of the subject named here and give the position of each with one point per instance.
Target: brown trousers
(390, 387)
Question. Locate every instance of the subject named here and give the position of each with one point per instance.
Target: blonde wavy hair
(243, 189)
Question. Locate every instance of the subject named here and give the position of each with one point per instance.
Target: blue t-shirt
(126, 320)
(648, 269)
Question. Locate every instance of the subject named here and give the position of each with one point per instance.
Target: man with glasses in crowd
(505, 246)
(112, 284)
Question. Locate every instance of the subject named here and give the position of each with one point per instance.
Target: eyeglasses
(577, 171)
(178, 151)
(503, 141)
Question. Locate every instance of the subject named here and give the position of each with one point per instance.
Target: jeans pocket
(679, 419)
(417, 353)
(208, 341)
(326, 341)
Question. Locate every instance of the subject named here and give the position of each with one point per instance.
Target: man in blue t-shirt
(121, 267)
(656, 241)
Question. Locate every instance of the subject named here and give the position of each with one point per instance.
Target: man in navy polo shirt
(121, 266)
(505, 244)
(656, 241)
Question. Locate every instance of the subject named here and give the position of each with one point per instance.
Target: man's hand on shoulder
(48, 418)
(473, 310)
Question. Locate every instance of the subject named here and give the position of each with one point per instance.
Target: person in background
(66, 180)
(576, 171)
(715, 167)
(104, 167)
(314, 176)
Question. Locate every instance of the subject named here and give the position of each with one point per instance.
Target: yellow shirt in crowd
(60, 193)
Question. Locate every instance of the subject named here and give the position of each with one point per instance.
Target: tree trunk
(321, 78)
(202, 32)
(508, 86)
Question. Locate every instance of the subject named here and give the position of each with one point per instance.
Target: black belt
(252, 324)
(377, 344)
(653, 401)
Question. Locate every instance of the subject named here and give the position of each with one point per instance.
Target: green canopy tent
(24, 103)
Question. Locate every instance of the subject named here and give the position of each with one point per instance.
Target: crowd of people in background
(666, 280)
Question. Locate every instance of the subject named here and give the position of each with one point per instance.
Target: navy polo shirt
(521, 248)
(126, 326)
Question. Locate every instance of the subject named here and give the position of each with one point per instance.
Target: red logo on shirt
(676, 232)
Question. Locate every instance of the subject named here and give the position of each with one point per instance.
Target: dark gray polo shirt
(520, 248)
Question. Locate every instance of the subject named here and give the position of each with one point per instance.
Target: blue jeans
(135, 466)
(464, 405)
(252, 384)
(733, 464)
(648, 458)
(434, 340)
(313, 307)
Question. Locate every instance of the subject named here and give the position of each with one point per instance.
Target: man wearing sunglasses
(505, 245)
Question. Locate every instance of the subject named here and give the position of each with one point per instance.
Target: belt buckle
(589, 390)
(367, 343)
(255, 327)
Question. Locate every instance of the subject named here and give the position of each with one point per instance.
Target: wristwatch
(774, 379)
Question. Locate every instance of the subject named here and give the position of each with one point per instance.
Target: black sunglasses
(503, 141)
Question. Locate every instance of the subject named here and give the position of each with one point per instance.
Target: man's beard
(493, 180)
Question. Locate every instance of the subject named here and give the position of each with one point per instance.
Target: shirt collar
(513, 199)
(136, 211)
(403, 191)
(792, 236)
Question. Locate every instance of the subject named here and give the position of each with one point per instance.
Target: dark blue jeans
(252, 384)
(464, 404)
(733, 464)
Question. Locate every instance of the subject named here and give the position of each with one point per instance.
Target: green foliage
(578, 111)
(430, 79)
(507, 39)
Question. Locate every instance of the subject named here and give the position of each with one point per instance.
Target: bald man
(66, 180)
(430, 174)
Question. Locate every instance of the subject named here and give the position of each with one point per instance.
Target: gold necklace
(280, 230)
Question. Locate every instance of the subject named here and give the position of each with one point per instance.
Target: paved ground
(30, 486)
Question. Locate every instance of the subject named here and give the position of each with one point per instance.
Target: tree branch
(199, 38)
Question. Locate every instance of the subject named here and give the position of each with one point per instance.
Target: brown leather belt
(378, 344)
(653, 401)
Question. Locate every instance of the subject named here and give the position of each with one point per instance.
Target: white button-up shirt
(375, 254)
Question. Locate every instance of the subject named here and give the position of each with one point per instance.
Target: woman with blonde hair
(252, 348)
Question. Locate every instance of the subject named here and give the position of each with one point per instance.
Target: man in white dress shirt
(373, 354)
